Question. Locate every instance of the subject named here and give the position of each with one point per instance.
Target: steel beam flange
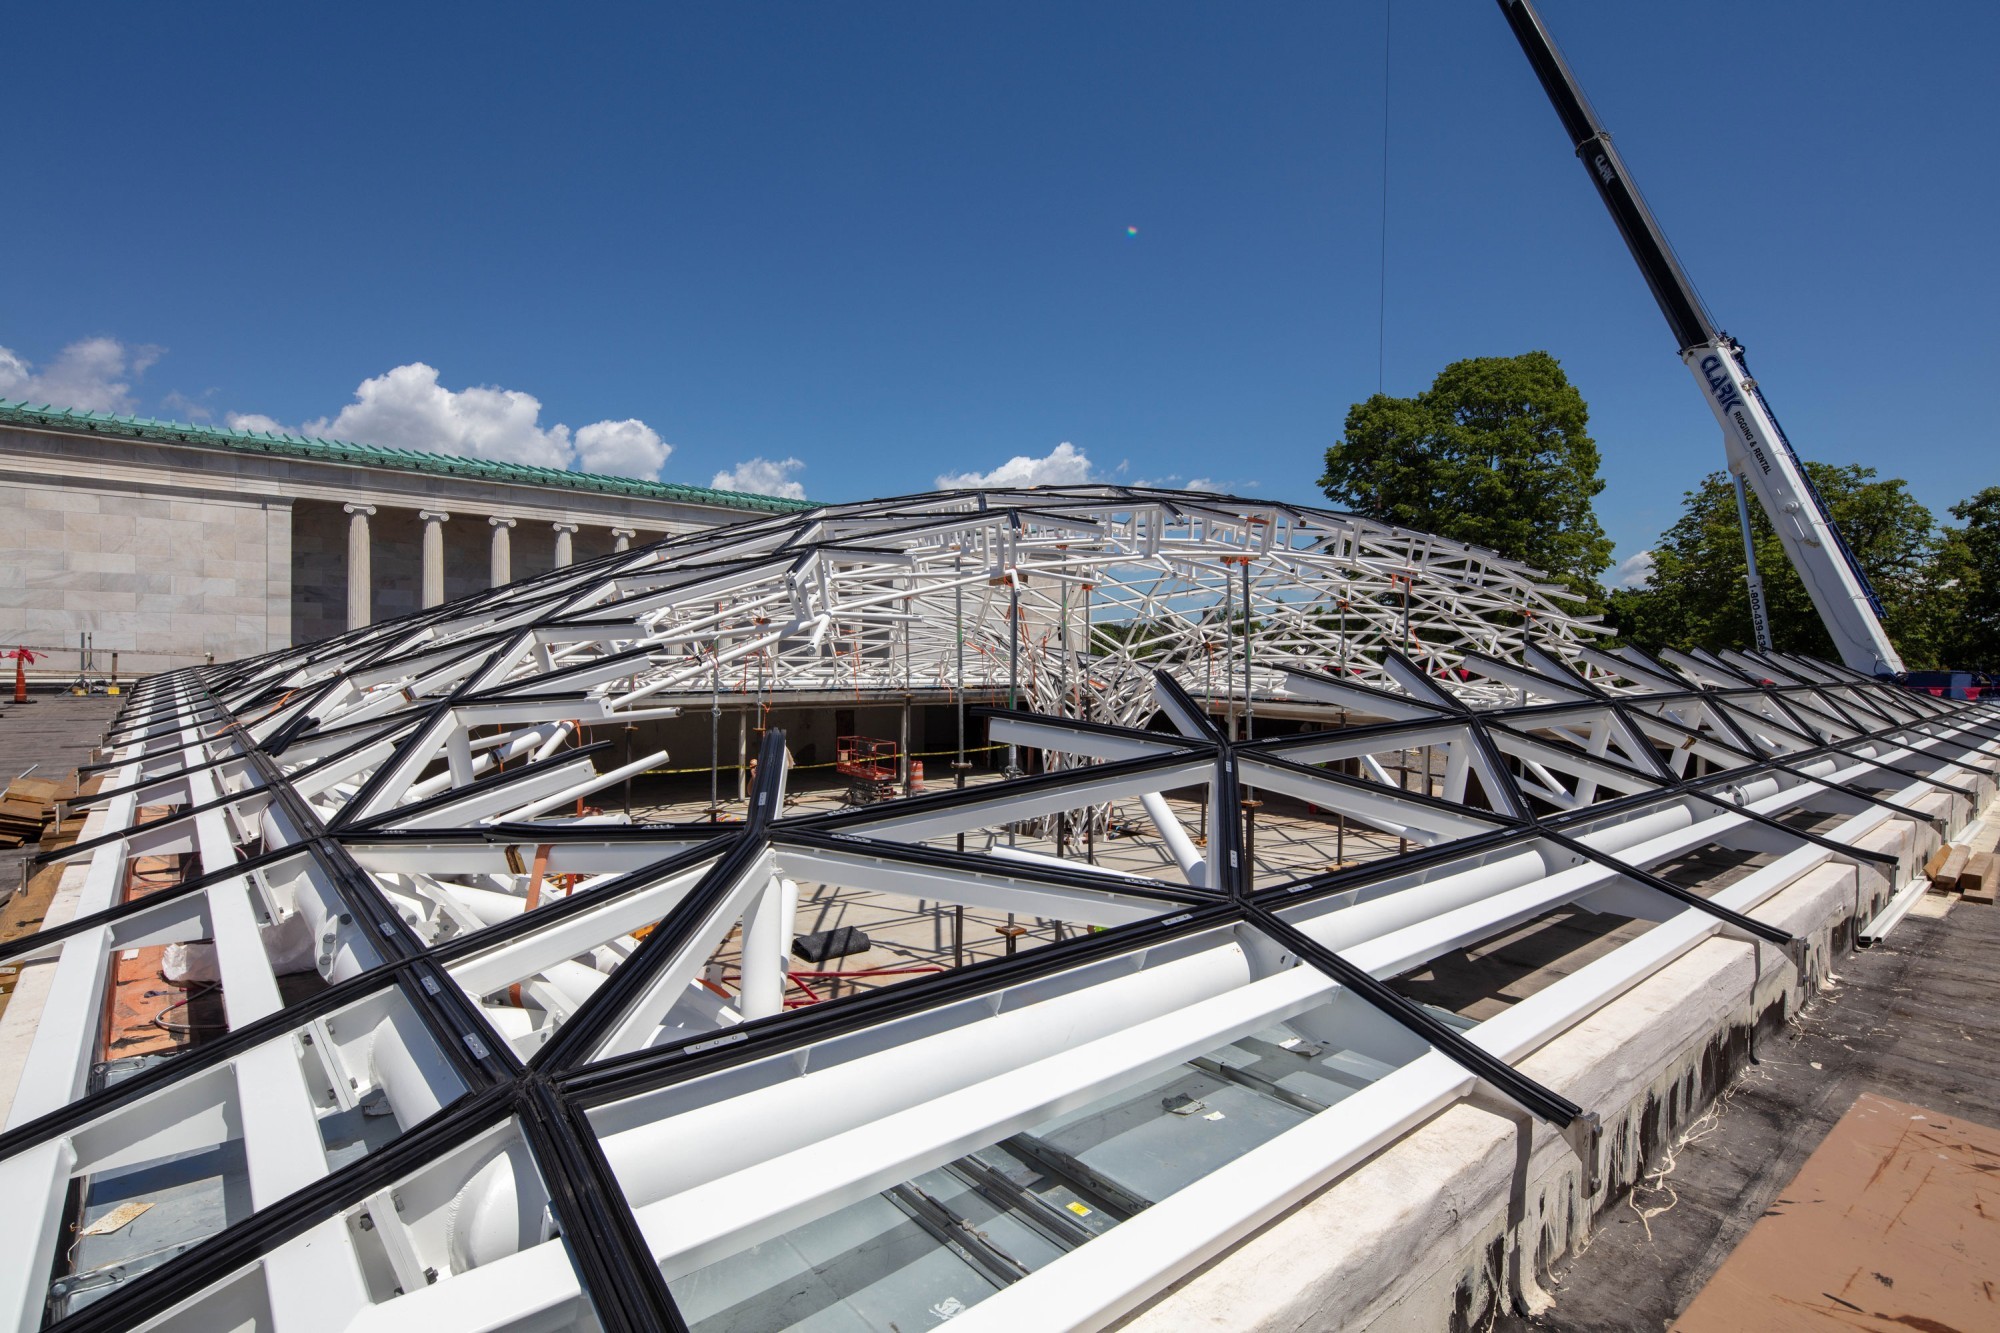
(1530, 1096)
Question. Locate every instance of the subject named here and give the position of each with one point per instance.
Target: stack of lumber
(30, 806)
(1956, 868)
(26, 806)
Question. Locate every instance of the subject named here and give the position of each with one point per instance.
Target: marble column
(434, 522)
(563, 553)
(360, 575)
(503, 551)
(622, 538)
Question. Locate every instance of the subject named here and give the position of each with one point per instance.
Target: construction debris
(1976, 881)
(30, 805)
(1946, 878)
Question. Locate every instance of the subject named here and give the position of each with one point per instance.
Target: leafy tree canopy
(1696, 592)
(1967, 584)
(1497, 452)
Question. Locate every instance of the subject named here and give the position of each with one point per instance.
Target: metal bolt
(430, 1275)
(367, 1222)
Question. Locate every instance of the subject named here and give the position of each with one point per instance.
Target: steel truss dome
(481, 1062)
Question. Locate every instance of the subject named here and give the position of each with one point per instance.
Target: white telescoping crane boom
(1757, 449)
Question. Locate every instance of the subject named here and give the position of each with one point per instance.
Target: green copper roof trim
(374, 455)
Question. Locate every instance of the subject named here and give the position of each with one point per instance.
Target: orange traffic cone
(20, 676)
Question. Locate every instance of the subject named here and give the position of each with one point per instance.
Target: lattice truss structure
(876, 596)
(478, 1067)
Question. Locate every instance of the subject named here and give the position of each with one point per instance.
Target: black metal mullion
(1749, 925)
(242, 1243)
(1525, 1092)
(609, 1252)
(644, 1071)
(593, 1020)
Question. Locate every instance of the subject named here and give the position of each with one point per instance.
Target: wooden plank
(1976, 881)
(1946, 879)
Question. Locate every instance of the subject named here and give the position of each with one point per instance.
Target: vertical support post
(743, 755)
(1228, 646)
(903, 749)
(1760, 619)
(360, 574)
(1249, 701)
(564, 552)
(715, 729)
(765, 944)
(959, 765)
(500, 568)
(631, 729)
(433, 521)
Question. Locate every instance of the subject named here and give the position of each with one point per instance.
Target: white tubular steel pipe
(765, 949)
(653, 1160)
(580, 790)
(765, 1199)
(534, 738)
(1181, 847)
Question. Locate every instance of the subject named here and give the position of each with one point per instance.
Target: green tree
(1497, 452)
(1696, 593)
(1967, 581)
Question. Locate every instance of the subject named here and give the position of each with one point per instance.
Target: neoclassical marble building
(169, 543)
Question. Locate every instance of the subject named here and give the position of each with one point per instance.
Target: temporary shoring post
(903, 746)
(1249, 701)
(1760, 620)
(715, 727)
(1228, 650)
(1013, 676)
(958, 765)
(1013, 659)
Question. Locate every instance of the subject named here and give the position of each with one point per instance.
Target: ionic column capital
(565, 527)
(366, 511)
(433, 515)
(627, 533)
(501, 522)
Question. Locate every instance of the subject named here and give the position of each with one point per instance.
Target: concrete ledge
(1462, 1219)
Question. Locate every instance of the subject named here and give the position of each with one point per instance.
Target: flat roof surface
(1916, 1017)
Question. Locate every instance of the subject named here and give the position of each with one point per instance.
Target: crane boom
(1756, 446)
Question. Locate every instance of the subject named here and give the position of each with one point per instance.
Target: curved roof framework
(479, 1062)
(875, 596)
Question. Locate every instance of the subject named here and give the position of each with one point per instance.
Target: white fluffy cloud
(256, 421)
(95, 374)
(628, 448)
(1064, 465)
(761, 476)
(406, 408)
(1633, 571)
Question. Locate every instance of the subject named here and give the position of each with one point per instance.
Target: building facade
(171, 544)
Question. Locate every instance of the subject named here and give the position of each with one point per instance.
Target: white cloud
(94, 374)
(193, 409)
(628, 448)
(1065, 465)
(1200, 484)
(1633, 571)
(406, 408)
(761, 476)
(256, 421)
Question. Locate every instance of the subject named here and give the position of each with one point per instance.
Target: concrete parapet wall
(1464, 1218)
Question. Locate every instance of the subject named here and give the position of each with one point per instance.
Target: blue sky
(892, 243)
